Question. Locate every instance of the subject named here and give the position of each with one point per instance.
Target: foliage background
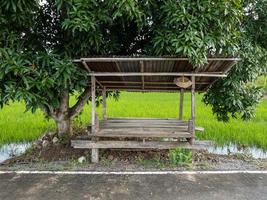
(39, 40)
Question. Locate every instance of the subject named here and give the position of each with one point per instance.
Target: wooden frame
(158, 74)
(95, 151)
(193, 110)
(181, 107)
(180, 131)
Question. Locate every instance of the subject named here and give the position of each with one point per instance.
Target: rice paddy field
(17, 126)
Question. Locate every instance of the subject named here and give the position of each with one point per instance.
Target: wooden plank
(148, 90)
(86, 144)
(134, 125)
(138, 86)
(181, 107)
(141, 130)
(148, 124)
(142, 119)
(142, 133)
(150, 83)
(201, 129)
(207, 74)
(144, 122)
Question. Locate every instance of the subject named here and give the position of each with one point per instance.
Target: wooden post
(95, 153)
(93, 103)
(104, 104)
(193, 109)
(181, 108)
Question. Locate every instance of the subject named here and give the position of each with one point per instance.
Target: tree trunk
(64, 128)
(64, 114)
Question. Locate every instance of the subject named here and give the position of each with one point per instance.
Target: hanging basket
(183, 82)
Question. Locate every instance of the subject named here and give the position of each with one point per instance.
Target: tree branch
(83, 98)
(48, 110)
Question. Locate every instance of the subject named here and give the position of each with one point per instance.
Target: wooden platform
(132, 133)
(142, 128)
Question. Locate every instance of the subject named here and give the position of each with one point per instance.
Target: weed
(105, 161)
(180, 156)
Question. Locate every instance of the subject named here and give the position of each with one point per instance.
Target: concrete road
(120, 187)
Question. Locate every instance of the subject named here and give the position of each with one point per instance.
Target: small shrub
(180, 156)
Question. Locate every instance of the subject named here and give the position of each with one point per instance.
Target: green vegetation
(15, 125)
(39, 40)
(180, 156)
(262, 82)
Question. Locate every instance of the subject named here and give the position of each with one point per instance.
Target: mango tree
(39, 40)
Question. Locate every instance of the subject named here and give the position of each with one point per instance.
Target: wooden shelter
(154, 74)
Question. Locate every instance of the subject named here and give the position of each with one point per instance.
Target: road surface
(119, 187)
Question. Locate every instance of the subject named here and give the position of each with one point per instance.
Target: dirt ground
(64, 157)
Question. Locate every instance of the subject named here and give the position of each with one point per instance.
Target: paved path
(120, 187)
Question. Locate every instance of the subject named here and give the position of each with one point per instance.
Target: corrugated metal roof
(154, 65)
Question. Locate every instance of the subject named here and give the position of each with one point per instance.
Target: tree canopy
(38, 41)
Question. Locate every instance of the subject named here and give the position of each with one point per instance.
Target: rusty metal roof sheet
(153, 65)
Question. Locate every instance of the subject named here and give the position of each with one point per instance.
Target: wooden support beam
(143, 119)
(193, 109)
(85, 144)
(147, 87)
(90, 71)
(142, 71)
(95, 152)
(147, 90)
(93, 130)
(104, 104)
(150, 83)
(181, 107)
(206, 74)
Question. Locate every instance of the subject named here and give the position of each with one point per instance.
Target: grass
(262, 82)
(15, 125)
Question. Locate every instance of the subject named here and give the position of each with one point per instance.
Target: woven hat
(182, 82)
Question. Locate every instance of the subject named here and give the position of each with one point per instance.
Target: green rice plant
(17, 126)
